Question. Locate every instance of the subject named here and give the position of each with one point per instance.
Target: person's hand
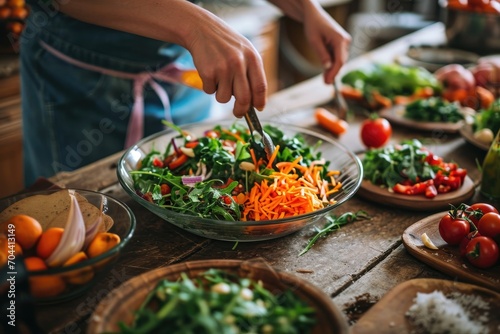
(330, 41)
(229, 65)
(227, 62)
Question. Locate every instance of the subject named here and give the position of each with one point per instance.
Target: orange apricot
(43, 286)
(101, 243)
(25, 229)
(78, 276)
(48, 242)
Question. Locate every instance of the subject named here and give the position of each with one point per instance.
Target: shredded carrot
(254, 159)
(238, 138)
(294, 190)
(273, 156)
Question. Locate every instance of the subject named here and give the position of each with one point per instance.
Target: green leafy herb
(434, 109)
(334, 223)
(488, 118)
(216, 302)
(390, 80)
(391, 165)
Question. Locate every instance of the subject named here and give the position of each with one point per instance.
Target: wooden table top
(355, 266)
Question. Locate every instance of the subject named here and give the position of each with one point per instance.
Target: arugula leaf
(433, 109)
(334, 223)
(389, 165)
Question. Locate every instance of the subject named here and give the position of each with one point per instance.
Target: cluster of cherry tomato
(475, 229)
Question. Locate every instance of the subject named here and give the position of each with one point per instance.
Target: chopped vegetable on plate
(411, 169)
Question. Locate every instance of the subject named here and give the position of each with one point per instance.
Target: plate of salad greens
(481, 130)
(429, 114)
(379, 85)
(217, 296)
(410, 176)
(215, 179)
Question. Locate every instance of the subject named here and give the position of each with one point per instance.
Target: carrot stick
(273, 156)
(351, 93)
(330, 122)
(178, 162)
(238, 138)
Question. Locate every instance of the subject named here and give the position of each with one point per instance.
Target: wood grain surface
(355, 266)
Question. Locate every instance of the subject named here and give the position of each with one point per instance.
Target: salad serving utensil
(255, 127)
(338, 102)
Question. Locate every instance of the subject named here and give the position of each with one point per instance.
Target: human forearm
(228, 64)
(174, 21)
(295, 9)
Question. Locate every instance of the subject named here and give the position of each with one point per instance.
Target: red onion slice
(191, 180)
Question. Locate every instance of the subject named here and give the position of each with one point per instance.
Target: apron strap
(135, 129)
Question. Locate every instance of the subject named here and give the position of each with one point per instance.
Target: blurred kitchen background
(287, 57)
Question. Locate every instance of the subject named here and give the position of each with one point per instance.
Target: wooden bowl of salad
(215, 179)
(216, 296)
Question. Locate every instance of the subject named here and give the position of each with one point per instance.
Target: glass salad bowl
(342, 160)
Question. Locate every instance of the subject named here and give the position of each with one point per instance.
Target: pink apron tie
(135, 129)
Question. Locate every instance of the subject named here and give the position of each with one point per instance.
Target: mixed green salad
(434, 109)
(217, 302)
(390, 80)
(411, 169)
(225, 174)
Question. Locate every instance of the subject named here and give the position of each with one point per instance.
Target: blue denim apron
(73, 116)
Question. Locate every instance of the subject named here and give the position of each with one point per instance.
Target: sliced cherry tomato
(482, 252)
(157, 163)
(489, 226)
(211, 134)
(165, 189)
(375, 131)
(453, 229)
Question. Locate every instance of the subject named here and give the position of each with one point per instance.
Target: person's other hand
(330, 41)
(229, 65)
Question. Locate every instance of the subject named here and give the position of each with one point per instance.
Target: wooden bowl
(121, 303)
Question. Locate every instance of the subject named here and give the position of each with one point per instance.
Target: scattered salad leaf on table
(334, 223)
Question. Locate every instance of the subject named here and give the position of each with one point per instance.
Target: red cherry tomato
(465, 241)
(453, 230)
(375, 132)
(489, 226)
(482, 252)
(477, 210)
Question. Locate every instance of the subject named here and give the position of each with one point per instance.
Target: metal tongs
(256, 128)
